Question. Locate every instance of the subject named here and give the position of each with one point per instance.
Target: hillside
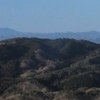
(45, 69)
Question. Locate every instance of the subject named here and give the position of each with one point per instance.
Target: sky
(44, 16)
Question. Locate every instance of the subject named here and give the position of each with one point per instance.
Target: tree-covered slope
(44, 69)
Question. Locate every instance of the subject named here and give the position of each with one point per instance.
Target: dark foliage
(56, 65)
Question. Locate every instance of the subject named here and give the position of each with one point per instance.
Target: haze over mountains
(94, 36)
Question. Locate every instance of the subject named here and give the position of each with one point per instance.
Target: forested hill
(45, 69)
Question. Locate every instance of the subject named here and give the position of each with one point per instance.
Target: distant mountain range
(94, 36)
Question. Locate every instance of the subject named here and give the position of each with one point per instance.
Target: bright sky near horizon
(50, 15)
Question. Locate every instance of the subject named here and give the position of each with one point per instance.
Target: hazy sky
(50, 15)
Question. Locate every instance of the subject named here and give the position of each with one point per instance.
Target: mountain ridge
(94, 36)
(46, 69)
